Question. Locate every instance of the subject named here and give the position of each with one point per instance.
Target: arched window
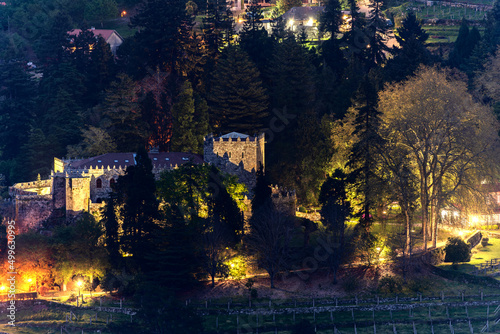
(111, 182)
(98, 183)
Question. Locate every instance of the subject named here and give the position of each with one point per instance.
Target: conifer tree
(376, 30)
(111, 226)
(237, 100)
(412, 52)
(459, 52)
(139, 210)
(363, 160)
(165, 28)
(122, 117)
(184, 137)
(334, 213)
(253, 36)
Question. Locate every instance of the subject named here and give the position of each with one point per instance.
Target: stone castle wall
(30, 211)
(237, 156)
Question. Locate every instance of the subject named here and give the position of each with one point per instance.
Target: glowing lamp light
(79, 283)
(291, 22)
(310, 22)
(345, 17)
(2, 288)
(29, 280)
(123, 13)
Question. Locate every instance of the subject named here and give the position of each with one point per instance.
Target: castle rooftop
(128, 159)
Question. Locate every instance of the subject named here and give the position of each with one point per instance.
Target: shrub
(484, 241)
(436, 256)
(457, 250)
(390, 284)
(350, 285)
(419, 285)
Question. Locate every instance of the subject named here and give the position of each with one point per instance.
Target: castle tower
(237, 154)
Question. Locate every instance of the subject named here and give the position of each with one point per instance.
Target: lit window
(167, 159)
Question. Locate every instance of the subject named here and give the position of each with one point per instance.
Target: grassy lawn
(480, 255)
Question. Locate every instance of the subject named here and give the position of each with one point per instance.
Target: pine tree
(122, 117)
(164, 33)
(376, 30)
(412, 52)
(139, 209)
(237, 100)
(253, 36)
(111, 226)
(184, 129)
(363, 158)
(334, 213)
(17, 106)
(331, 19)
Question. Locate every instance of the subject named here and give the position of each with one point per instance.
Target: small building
(110, 36)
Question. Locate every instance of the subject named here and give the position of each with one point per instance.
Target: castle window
(229, 155)
(242, 155)
(98, 183)
(111, 182)
(126, 160)
(155, 159)
(167, 159)
(116, 160)
(99, 160)
(185, 159)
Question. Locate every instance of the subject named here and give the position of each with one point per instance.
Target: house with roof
(110, 36)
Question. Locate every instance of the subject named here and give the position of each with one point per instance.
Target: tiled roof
(127, 159)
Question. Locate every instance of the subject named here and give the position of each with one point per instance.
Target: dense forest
(351, 124)
(174, 81)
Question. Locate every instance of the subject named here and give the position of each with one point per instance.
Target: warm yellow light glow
(79, 283)
(291, 22)
(240, 20)
(124, 13)
(474, 219)
(345, 17)
(310, 22)
(29, 280)
(2, 288)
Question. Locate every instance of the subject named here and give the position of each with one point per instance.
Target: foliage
(457, 250)
(446, 115)
(139, 208)
(237, 99)
(282, 6)
(390, 285)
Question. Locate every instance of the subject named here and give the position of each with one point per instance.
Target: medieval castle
(77, 185)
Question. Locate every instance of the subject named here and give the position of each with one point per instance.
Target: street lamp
(79, 283)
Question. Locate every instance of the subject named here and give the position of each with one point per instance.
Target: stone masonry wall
(31, 211)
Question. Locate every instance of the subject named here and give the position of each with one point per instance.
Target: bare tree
(269, 239)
